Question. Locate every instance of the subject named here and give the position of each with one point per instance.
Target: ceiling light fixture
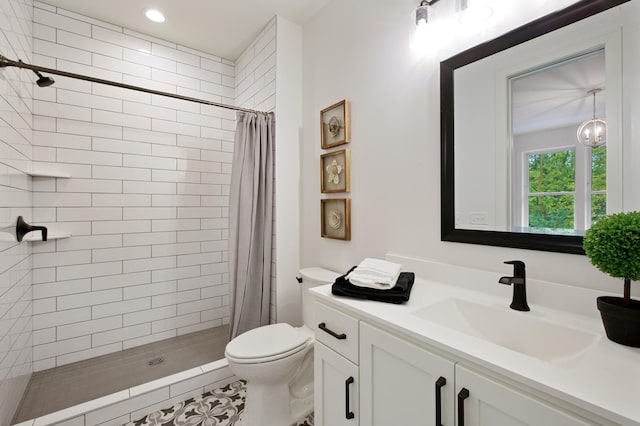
(474, 11)
(420, 41)
(593, 132)
(154, 15)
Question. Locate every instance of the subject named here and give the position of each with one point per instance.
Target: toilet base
(303, 407)
(272, 405)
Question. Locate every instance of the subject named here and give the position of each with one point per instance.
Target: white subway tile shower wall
(16, 91)
(256, 88)
(147, 199)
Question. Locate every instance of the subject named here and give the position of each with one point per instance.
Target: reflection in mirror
(513, 171)
(558, 181)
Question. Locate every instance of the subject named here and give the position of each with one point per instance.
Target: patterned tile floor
(219, 407)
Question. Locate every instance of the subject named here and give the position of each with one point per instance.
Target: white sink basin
(518, 331)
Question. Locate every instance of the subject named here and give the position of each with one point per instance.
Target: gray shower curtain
(251, 221)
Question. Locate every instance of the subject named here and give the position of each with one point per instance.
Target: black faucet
(519, 281)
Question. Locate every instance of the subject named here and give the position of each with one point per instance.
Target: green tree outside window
(551, 189)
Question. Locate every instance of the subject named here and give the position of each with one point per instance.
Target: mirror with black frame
(532, 130)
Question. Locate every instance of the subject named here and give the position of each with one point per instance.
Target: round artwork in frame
(335, 124)
(335, 219)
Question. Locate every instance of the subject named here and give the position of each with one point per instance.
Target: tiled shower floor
(83, 381)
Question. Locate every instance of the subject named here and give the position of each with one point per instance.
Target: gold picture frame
(335, 128)
(335, 216)
(334, 172)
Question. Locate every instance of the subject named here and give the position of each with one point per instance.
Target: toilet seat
(267, 343)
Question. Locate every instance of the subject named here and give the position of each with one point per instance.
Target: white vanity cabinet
(401, 383)
(482, 401)
(389, 379)
(336, 378)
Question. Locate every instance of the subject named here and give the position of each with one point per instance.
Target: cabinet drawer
(337, 330)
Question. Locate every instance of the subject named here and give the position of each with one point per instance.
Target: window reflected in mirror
(559, 183)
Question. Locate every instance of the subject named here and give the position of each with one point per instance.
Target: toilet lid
(267, 341)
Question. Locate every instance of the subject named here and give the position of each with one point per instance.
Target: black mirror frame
(544, 25)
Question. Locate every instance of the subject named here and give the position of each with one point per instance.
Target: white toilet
(277, 362)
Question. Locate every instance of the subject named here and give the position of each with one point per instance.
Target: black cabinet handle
(439, 384)
(323, 326)
(462, 395)
(348, 413)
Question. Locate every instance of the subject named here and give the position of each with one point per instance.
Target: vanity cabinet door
(484, 402)
(402, 384)
(335, 388)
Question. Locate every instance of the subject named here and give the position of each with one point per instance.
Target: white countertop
(603, 379)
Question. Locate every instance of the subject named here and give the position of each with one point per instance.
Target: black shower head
(42, 80)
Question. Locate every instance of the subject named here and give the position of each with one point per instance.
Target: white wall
(147, 200)
(476, 143)
(287, 176)
(16, 88)
(359, 50)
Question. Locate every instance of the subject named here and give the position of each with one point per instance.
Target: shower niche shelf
(50, 237)
(50, 174)
(32, 237)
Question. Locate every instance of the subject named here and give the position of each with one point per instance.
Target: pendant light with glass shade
(593, 132)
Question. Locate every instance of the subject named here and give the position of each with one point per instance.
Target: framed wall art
(335, 215)
(334, 125)
(334, 172)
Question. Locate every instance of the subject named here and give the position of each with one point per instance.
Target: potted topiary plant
(613, 246)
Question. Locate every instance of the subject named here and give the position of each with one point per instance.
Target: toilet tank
(312, 277)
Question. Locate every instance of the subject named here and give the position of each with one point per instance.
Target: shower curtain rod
(5, 62)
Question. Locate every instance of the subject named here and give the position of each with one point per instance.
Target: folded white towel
(365, 277)
(375, 273)
(378, 270)
(372, 284)
(380, 266)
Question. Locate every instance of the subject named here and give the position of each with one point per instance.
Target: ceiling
(221, 27)
(554, 98)
(558, 96)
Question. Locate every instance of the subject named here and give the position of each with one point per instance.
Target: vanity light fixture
(154, 15)
(473, 11)
(420, 40)
(593, 132)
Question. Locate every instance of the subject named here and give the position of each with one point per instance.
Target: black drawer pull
(323, 326)
(462, 395)
(439, 384)
(348, 413)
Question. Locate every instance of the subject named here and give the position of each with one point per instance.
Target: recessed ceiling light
(154, 15)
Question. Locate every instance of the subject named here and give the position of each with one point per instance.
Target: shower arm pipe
(6, 62)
